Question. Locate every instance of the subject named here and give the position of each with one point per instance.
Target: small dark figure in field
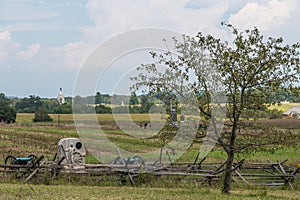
(145, 124)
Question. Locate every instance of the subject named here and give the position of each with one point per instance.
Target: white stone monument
(60, 97)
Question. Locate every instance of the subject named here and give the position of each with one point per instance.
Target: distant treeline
(100, 103)
(105, 103)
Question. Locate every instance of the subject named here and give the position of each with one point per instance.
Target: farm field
(285, 106)
(68, 118)
(42, 138)
(25, 137)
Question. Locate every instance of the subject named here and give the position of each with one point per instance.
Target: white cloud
(110, 18)
(34, 56)
(265, 17)
(75, 53)
(42, 58)
(5, 36)
(30, 52)
(7, 47)
(116, 16)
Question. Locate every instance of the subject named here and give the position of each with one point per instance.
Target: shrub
(41, 115)
(102, 109)
(275, 114)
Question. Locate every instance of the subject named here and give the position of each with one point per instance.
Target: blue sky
(44, 42)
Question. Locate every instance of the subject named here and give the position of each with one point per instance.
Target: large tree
(133, 99)
(7, 113)
(98, 98)
(247, 70)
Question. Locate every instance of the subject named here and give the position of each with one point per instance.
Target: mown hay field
(284, 106)
(42, 138)
(69, 118)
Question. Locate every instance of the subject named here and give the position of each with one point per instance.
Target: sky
(45, 43)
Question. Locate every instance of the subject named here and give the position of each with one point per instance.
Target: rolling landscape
(26, 137)
(186, 99)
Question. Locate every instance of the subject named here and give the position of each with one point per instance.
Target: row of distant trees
(102, 103)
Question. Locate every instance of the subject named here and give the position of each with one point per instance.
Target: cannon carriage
(12, 162)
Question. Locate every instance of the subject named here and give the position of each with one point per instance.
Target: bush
(41, 115)
(102, 109)
(7, 113)
(275, 114)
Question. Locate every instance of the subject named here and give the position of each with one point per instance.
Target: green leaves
(250, 69)
(7, 113)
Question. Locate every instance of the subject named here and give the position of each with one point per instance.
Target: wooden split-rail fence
(253, 174)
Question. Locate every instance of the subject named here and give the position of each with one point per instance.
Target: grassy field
(32, 192)
(43, 138)
(25, 137)
(68, 118)
(284, 107)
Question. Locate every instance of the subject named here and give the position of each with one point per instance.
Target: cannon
(12, 162)
(130, 160)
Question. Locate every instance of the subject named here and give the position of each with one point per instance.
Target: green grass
(288, 153)
(32, 192)
(42, 140)
(91, 159)
(20, 140)
(292, 155)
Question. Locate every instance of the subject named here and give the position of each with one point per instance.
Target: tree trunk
(230, 158)
(227, 178)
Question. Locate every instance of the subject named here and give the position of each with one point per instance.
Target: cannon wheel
(118, 161)
(10, 160)
(34, 159)
(138, 160)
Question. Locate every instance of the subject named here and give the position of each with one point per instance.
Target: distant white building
(60, 97)
(290, 112)
(284, 102)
